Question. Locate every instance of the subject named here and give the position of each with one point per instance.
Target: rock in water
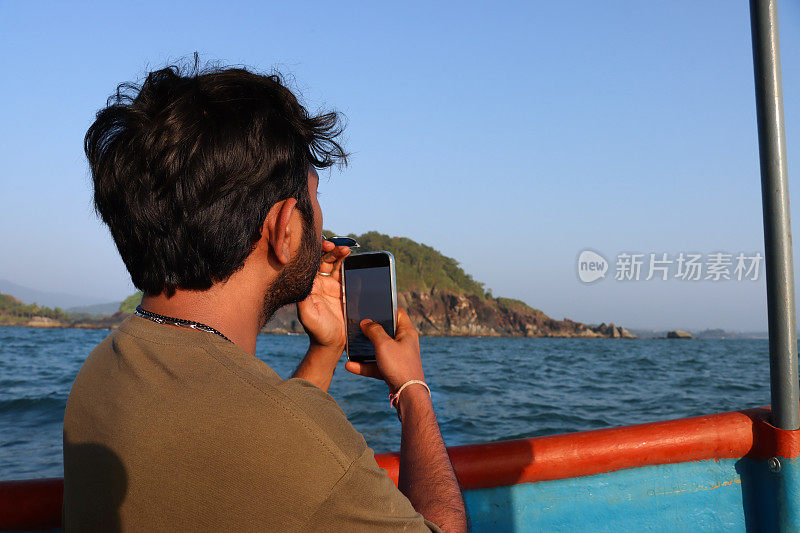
(679, 334)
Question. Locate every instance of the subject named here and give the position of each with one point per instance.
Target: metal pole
(777, 227)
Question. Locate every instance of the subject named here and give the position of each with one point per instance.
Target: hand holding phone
(381, 340)
(398, 359)
(370, 291)
(321, 312)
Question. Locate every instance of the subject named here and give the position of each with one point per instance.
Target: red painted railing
(36, 504)
(31, 505)
(720, 436)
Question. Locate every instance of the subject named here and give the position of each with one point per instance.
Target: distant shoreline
(111, 327)
(56, 326)
(49, 324)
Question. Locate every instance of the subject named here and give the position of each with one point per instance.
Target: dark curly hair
(187, 166)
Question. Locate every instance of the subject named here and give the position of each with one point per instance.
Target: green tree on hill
(14, 311)
(129, 304)
(421, 267)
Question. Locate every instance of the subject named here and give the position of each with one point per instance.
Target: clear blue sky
(509, 136)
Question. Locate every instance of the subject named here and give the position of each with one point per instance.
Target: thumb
(374, 332)
(363, 369)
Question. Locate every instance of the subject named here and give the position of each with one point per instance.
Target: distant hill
(723, 334)
(15, 312)
(95, 310)
(128, 305)
(51, 299)
(702, 334)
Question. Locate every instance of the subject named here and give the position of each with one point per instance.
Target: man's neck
(232, 313)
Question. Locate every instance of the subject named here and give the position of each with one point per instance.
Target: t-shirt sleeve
(366, 500)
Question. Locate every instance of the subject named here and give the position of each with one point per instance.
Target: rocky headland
(443, 300)
(444, 314)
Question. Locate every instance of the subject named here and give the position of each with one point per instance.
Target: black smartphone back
(370, 291)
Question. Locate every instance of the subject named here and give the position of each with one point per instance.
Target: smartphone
(370, 291)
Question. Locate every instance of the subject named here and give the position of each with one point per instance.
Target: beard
(294, 283)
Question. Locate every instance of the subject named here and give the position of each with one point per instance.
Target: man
(207, 183)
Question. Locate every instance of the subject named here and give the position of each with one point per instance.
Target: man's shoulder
(187, 369)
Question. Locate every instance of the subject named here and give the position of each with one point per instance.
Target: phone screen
(369, 293)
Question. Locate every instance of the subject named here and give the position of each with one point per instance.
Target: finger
(336, 254)
(336, 268)
(339, 252)
(332, 259)
(374, 332)
(369, 370)
(327, 246)
(404, 325)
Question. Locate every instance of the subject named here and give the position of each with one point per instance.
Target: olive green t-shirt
(170, 429)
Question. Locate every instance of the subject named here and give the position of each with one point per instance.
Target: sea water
(484, 389)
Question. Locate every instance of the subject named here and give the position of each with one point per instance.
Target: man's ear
(278, 229)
